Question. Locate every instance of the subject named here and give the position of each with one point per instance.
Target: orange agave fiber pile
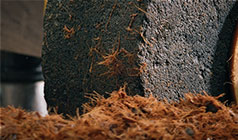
(124, 117)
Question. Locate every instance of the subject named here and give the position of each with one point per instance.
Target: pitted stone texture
(191, 43)
(79, 34)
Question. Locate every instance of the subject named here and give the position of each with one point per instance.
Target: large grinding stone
(166, 48)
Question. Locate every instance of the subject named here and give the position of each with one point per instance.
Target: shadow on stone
(220, 80)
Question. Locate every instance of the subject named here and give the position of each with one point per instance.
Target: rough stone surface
(171, 47)
(191, 42)
(79, 36)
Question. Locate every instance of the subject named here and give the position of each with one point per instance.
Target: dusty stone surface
(191, 44)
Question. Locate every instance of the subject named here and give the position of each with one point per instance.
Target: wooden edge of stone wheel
(234, 66)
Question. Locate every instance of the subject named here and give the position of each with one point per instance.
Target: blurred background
(21, 40)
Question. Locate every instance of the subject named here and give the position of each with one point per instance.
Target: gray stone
(191, 48)
(174, 47)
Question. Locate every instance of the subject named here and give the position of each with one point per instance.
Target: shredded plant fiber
(125, 117)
